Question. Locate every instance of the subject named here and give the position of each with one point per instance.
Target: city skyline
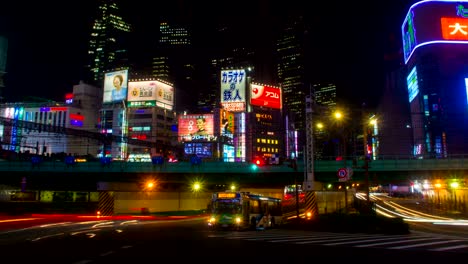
(46, 49)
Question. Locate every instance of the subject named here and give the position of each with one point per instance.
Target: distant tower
(160, 68)
(108, 42)
(325, 102)
(173, 60)
(325, 95)
(3, 58)
(291, 70)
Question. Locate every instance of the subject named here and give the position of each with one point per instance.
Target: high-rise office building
(325, 95)
(108, 41)
(173, 60)
(325, 102)
(160, 68)
(291, 70)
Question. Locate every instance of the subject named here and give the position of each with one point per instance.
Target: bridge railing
(327, 165)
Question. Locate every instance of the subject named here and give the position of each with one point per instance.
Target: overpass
(85, 174)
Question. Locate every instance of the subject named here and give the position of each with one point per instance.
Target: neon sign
(434, 22)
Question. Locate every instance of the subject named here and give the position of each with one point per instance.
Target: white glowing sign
(233, 83)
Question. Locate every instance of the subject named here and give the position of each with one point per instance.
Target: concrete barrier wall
(151, 202)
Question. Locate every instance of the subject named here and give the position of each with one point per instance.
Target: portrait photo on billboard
(115, 86)
(226, 122)
(196, 127)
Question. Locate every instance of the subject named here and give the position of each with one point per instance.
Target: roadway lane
(189, 240)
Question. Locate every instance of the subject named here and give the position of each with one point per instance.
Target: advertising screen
(227, 122)
(196, 127)
(115, 86)
(432, 22)
(201, 150)
(412, 82)
(265, 96)
(150, 93)
(233, 83)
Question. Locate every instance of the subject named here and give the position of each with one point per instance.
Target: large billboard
(150, 93)
(432, 22)
(115, 86)
(233, 83)
(266, 96)
(196, 127)
(226, 122)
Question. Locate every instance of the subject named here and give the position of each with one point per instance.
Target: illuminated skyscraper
(291, 70)
(108, 42)
(174, 35)
(325, 102)
(325, 94)
(173, 60)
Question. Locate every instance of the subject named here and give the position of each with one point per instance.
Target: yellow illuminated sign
(226, 195)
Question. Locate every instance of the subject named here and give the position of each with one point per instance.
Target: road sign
(342, 174)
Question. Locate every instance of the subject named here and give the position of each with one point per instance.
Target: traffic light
(257, 162)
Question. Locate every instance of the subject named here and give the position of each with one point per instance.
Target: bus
(243, 210)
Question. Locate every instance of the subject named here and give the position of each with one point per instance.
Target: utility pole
(310, 185)
(309, 154)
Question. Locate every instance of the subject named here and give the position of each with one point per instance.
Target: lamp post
(339, 117)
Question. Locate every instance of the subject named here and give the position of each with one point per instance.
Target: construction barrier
(106, 203)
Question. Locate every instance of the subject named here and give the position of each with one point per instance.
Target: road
(178, 240)
(420, 220)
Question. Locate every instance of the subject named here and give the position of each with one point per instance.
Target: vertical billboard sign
(265, 96)
(115, 86)
(233, 83)
(196, 127)
(150, 93)
(434, 22)
(412, 82)
(227, 122)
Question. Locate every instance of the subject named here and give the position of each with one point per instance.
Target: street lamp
(339, 117)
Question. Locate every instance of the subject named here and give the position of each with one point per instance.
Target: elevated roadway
(88, 173)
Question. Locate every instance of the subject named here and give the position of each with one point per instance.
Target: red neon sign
(454, 28)
(58, 108)
(266, 96)
(77, 117)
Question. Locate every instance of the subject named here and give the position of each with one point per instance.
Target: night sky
(48, 43)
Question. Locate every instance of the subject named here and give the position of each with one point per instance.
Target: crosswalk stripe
(361, 240)
(394, 242)
(449, 248)
(426, 244)
(366, 240)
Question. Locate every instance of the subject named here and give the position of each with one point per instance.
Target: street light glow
(338, 115)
